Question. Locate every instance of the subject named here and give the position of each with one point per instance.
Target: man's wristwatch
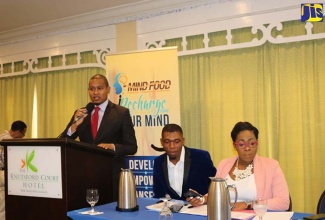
(249, 205)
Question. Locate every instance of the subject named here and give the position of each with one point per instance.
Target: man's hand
(198, 200)
(79, 118)
(107, 146)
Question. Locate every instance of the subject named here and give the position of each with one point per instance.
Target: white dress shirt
(100, 112)
(176, 173)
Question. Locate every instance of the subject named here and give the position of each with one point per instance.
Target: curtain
(60, 93)
(278, 88)
(16, 101)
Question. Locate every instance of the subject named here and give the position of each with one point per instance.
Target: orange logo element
(23, 163)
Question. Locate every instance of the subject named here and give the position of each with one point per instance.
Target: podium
(29, 195)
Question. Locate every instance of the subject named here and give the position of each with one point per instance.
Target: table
(142, 214)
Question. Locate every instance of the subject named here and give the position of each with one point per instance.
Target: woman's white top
(246, 189)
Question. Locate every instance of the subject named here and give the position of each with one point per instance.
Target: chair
(290, 205)
(321, 204)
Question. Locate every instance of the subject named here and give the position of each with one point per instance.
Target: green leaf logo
(29, 159)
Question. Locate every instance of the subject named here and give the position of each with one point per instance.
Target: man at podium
(104, 124)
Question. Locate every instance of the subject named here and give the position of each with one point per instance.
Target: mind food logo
(28, 162)
(120, 82)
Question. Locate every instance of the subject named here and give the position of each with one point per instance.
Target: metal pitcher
(219, 199)
(127, 199)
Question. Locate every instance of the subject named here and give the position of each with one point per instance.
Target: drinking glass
(92, 198)
(260, 207)
(165, 213)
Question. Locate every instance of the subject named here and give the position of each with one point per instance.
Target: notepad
(276, 215)
(201, 210)
(242, 215)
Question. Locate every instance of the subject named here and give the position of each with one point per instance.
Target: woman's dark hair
(243, 126)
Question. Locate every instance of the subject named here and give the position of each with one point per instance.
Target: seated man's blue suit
(198, 167)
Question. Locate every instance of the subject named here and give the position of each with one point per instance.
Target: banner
(146, 82)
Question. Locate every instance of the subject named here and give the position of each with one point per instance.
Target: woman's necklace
(242, 174)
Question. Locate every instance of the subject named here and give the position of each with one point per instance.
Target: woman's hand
(239, 206)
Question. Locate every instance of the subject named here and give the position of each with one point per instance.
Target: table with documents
(149, 210)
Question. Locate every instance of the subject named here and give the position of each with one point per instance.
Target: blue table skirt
(143, 214)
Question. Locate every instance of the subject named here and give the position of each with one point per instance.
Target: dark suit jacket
(198, 167)
(116, 127)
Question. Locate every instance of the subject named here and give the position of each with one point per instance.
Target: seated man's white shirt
(176, 173)
(5, 135)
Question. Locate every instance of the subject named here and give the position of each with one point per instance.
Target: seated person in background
(180, 168)
(17, 130)
(254, 176)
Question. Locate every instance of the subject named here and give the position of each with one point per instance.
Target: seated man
(17, 130)
(180, 168)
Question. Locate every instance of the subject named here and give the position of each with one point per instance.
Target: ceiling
(16, 15)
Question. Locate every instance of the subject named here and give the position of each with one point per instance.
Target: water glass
(260, 207)
(92, 198)
(165, 213)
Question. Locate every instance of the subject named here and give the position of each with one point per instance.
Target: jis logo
(312, 12)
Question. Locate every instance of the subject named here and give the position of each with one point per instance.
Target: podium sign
(34, 171)
(46, 178)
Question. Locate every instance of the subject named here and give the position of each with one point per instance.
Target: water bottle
(219, 200)
(127, 200)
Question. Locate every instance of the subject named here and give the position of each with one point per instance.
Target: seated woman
(254, 176)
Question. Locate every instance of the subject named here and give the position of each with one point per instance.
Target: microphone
(89, 108)
(159, 149)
